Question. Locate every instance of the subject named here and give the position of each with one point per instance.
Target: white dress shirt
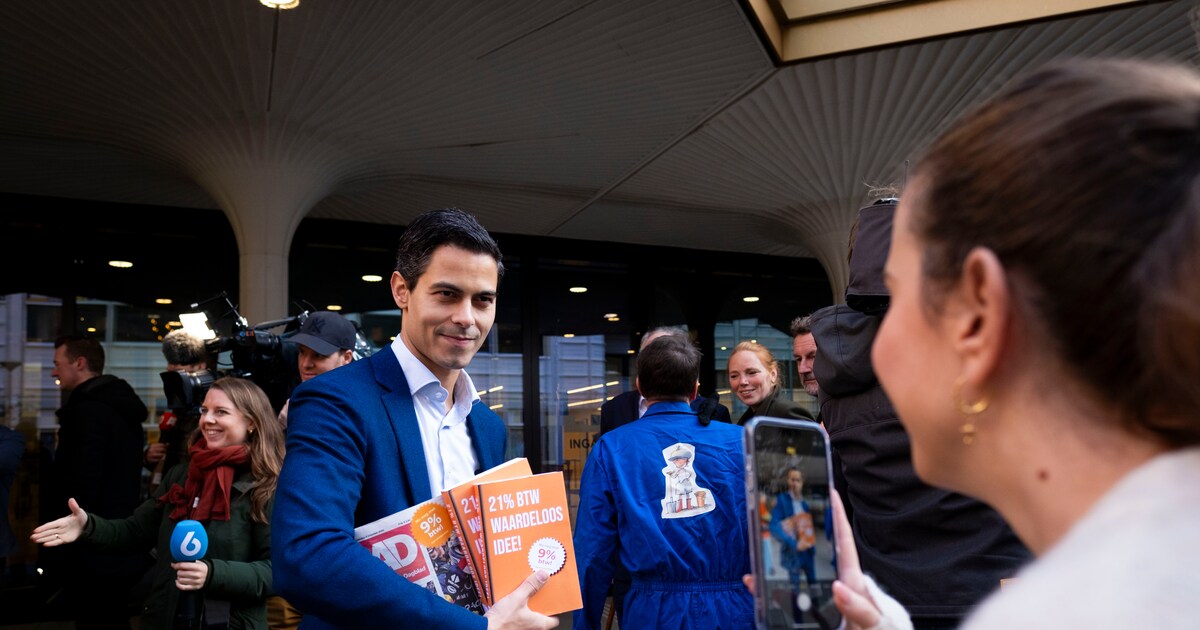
(449, 457)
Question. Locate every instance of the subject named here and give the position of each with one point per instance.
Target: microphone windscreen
(189, 541)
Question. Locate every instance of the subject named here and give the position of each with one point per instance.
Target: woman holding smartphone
(1042, 347)
(228, 484)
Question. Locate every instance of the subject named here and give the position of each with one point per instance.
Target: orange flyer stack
(527, 527)
(464, 513)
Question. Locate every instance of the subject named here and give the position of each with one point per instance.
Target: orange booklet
(800, 526)
(526, 527)
(464, 513)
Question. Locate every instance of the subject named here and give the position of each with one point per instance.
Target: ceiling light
(578, 289)
(120, 264)
(724, 348)
(609, 315)
(175, 324)
(90, 329)
(614, 319)
(372, 278)
(569, 336)
(750, 298)
(629, 352)
(280, 4)
(334, 307)
(162, 300)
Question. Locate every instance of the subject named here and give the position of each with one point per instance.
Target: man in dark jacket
(938, 553)
(98, 462)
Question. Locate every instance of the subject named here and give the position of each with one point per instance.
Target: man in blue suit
(378, 436)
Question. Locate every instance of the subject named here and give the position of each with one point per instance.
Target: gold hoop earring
(968, 409)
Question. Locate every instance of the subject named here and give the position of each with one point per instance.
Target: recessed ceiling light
(90, 329)
(609, 315)
(162, 300)
(120, 264)
(334, 307)
(372, 278)
(280, 4)
(569, 336)
(614, 319)
(629, 352)
(750, 298)
(578, 289)
(724, 348)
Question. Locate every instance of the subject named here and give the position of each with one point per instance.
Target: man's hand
(155, 453)
(512, 612)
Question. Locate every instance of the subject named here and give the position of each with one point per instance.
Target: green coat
(238, 556)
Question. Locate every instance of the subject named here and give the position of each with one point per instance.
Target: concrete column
(265, 202)
(830, 250)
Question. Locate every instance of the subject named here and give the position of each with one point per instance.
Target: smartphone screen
(791, 523)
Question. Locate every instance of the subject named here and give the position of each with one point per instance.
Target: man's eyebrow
(445, 286)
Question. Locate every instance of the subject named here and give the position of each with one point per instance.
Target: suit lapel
(398, 403)
(478, 439)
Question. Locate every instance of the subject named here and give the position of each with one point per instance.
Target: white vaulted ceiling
(641, 122)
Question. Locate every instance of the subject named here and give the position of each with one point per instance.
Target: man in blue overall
(666, 494)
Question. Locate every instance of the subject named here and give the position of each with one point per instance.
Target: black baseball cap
(326, 332)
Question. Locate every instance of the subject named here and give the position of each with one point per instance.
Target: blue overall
(682, 536)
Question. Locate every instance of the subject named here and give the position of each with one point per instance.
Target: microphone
(189, 542)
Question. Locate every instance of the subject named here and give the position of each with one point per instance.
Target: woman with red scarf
(228, 484)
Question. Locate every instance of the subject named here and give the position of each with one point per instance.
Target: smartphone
(788, 484)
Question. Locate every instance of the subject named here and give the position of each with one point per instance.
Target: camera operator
(326, 341)
(184, 353)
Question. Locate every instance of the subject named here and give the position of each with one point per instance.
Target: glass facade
(568, 321)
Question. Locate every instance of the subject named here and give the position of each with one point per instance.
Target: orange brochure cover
(464, 513)
(526, 527)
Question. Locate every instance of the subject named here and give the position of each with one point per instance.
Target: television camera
(255, 353)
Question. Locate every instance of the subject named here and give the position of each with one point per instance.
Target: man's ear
(981, 315)
(400, 290)
(696, 391)
(637, 384)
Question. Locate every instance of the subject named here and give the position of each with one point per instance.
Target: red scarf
(208, 484)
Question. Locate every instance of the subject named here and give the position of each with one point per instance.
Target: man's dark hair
(180, 347)
(448, 226)
(668, 368)
(86, 347)
(800, 326)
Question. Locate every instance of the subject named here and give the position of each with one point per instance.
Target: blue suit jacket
(354, 455)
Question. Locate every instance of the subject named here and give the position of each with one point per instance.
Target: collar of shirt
(423, 383)
(643, 405)
(449, 456)
(670, 406)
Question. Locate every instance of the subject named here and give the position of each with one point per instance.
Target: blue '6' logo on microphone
(189, 541)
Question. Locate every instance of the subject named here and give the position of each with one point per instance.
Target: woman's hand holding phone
(862, 604)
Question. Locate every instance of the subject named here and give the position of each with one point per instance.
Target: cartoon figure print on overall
(683, 497)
